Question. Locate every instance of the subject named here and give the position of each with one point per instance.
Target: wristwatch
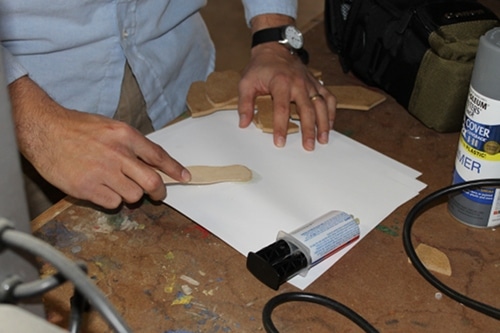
(287, 35)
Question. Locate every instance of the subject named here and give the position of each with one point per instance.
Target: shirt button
(125, 33)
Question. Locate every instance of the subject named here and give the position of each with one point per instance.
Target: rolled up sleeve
(13, 69)
(259, 7)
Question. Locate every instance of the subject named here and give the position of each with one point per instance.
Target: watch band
(276, 35)
(267, 35)
(303, 55)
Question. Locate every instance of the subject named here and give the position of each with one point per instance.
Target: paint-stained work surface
(151, 255)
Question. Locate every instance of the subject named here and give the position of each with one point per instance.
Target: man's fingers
(155, 156)
(139, 179)
(306, 107)
(331, 105)
(104, 196)
(325, 106)
(323, 129)
(246, 104)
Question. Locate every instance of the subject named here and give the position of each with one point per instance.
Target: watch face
(294, 37)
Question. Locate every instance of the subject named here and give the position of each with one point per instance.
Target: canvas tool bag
(419, 52)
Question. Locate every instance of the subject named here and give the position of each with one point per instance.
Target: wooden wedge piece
(356, 97)
(433, 259)
(222, 88)
(204, 174)
(197, 101)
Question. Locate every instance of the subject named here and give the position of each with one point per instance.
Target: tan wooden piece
(433, 259)
(204, 175)
(356, 97)
(222, 88)
(220, 92)
(197, 100)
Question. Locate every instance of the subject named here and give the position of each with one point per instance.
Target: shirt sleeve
(259, 7)
(13, 69)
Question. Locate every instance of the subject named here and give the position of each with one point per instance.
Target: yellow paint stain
(47, 271)
(183, 300)
(170, 256)
(169, 288)
(208, 292)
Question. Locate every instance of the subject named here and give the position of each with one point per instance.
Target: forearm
(33, 114)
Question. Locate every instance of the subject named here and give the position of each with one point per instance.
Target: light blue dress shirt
(76, 49)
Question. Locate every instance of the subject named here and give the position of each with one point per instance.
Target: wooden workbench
(164, 273)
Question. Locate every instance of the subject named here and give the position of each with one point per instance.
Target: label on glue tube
(478, 157)
(324, 236)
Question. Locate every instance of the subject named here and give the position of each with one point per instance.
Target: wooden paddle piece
(204, 175)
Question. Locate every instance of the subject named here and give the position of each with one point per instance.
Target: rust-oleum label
(478, 157)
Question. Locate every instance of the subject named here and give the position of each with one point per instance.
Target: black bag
(420, 52)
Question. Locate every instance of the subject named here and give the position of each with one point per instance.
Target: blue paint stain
(76, 249)
(56, 234)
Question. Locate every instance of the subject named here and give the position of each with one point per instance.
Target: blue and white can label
(478, 157)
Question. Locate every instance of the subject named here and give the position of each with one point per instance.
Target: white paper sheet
(290, 187)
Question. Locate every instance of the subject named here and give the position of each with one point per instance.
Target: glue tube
(296, 252)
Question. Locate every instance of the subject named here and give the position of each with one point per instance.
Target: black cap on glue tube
(296, 252)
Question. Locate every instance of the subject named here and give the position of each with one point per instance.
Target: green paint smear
(115, 220)
(349, 133)
(387, 230)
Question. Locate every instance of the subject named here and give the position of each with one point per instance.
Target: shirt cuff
(13, 70)
(259, 7)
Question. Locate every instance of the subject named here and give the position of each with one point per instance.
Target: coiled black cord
(311, 298)
(419, 266)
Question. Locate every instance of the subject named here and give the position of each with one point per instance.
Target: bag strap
(335, 17)
(349, 13)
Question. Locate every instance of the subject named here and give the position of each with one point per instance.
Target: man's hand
(274, 71)
(88, 156)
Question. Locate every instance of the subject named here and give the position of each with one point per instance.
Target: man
(88, 78)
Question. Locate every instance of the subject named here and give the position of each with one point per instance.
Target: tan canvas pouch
(442, 83)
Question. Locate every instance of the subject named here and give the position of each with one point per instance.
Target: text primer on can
(478, 153)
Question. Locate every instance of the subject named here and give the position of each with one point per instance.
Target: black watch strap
(267, 35)
(303, 55)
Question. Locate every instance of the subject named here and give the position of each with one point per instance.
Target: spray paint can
(478, 153)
